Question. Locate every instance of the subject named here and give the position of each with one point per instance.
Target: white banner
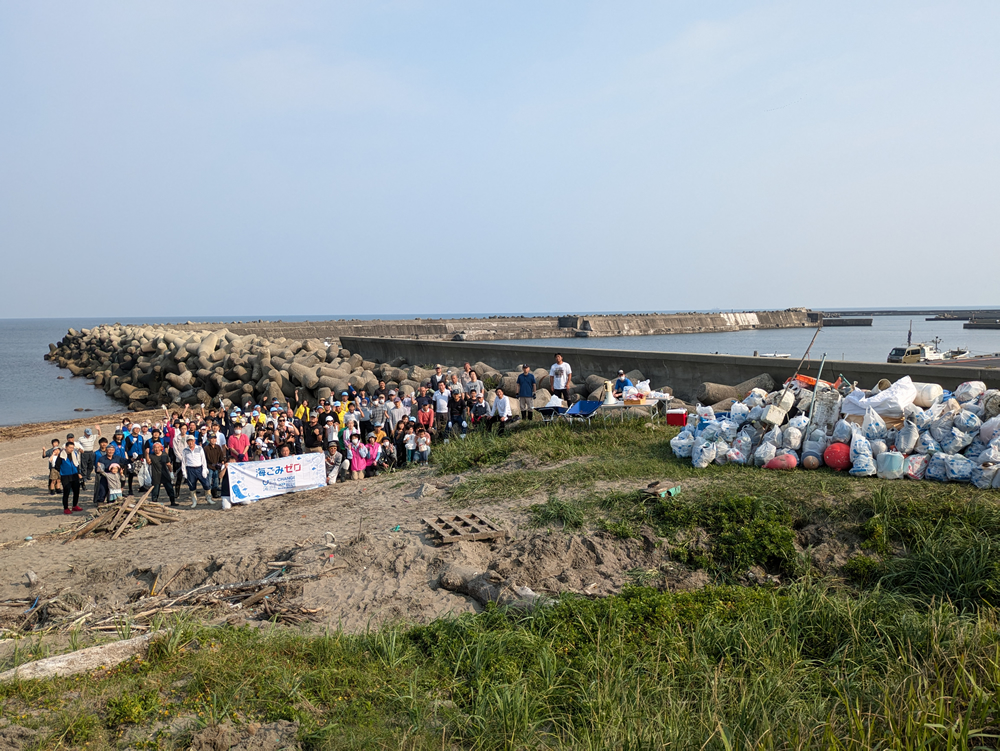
(251, 481)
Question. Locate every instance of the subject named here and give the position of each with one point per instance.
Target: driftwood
(81, 661)
(209, 589)
(131, 513)
(487, 587)
(117, 519)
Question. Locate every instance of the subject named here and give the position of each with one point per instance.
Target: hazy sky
(199, 159)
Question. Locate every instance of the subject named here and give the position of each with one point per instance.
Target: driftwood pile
(129, 514)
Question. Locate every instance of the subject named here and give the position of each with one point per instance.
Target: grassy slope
(901, 653)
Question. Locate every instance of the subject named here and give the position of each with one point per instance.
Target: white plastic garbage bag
(989, 455)
(643, 387)
(969, 391)
(916, 466)
(873, 426)
(743, 443)
(764, 453)
(888, 403)
(799, 422)
(956, 441)
(774, 437)
(706, 413)
(927, 445)
(958, 468)
(739, 412)
(989, 429)
(755, 413)
(863, 463)
(681, 444)
(842, 432)
(937, 468)
(982, 477)
(967, 422)
(906, 439)
(729, 429)
(735, 456)
(879, 447)
(792, 438)
(703, 454)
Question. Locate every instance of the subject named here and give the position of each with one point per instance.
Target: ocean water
(862, 343)
(31, 390)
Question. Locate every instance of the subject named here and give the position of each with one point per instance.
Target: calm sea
(864, 344)
(31, 391)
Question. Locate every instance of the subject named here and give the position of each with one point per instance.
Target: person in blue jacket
(70, 460)
(620, 385)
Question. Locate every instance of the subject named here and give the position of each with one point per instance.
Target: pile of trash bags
(902, 430)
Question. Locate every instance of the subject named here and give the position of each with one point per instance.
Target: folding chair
(582, 410)
(550, 413)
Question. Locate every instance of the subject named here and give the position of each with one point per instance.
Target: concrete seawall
(519, 327)
(682, 371)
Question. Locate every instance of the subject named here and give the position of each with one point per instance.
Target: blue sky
(197, 159)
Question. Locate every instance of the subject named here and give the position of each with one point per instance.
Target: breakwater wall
(518, 327)
(684, 372)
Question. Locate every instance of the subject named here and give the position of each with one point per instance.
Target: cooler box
(677, 417)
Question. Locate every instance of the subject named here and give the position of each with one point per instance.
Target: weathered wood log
(486, 588)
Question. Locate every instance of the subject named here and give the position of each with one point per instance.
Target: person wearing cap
(527, 386)
(620, 385)
(334, 461)
(68, 464)
(87, 443)
(330, 430)
(196, 470)
(561, 375)
(480, 411)
(436, 378)
(238, 445)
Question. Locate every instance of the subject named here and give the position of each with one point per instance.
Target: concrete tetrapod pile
(146, 366)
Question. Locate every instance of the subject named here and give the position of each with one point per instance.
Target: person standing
(87, 444)
(442, 399)
(69, 461)
(526, 387)
(561, 375)
(215, 457)
(52, 454)
(239, 445)
(195, 470)
(437, 378)
(159, 469)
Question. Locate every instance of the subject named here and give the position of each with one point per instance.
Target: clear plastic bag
(958, 468)
(927, 445)
(916, 466)
(721, 452)
(729, 430)
(682, 444)
(967, 422)
(989, 455)
(643, 387)
(842, 432)
(711, 431)
(743, 443)
(907, 437)
(989, 429)
(873, 426)
(755, 414)
(879, 447)
(937, 468)
(735, 456)
(774, 437)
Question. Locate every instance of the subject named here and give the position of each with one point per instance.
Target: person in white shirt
(501, 409)
(87, 443)
(196, 470)
(442, 399)
(561, 375)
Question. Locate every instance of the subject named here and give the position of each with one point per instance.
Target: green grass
(728, 667)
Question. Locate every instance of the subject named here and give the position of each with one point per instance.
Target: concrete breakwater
(521, 327)
(146, 366)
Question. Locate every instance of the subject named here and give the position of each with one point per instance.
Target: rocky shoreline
(149, 366)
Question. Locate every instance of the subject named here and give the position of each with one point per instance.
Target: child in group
(423, 446)
(410, 442)
(114, 477)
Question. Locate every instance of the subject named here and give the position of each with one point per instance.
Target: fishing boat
(927, 352)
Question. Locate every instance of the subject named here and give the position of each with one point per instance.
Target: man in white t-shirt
(561, 375)
(442, 398)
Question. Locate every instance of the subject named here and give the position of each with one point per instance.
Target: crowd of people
(360, 435)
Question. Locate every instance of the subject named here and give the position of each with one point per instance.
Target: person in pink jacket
(358, 458)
